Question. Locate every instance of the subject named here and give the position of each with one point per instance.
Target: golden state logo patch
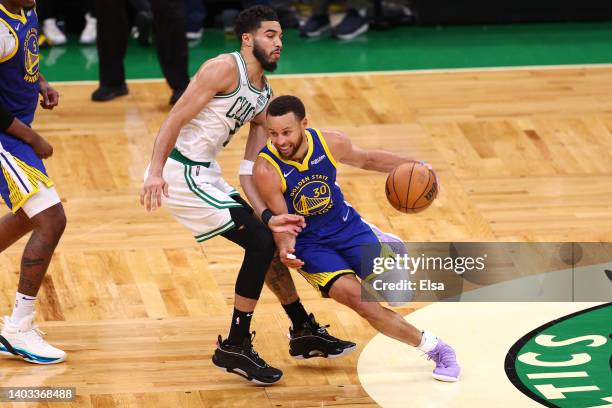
(312, 195)
(30, 53)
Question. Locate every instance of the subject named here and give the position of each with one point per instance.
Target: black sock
(296, 313)
(240, 328)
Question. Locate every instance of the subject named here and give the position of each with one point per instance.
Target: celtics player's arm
(217, 75)
(347, 152)
(255, 142)
(268, 183)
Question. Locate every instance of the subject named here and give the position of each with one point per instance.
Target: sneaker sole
(354, 34)
(319, 353)
(445, 378)
(243, 374)
(29, 360)
(318, 33)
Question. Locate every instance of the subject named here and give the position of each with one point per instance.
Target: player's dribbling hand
(288, 259)
(41, 147)
(289, 223)
(151, 194)
(435, 175)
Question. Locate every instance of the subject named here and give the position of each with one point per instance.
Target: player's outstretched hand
(151, 193)
(289, 223)
(288, 259)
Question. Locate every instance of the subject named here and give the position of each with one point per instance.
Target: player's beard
(260, 55)
(291, 156)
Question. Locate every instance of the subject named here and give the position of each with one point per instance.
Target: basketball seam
(408, 189)
(399, 202)
(424, 190)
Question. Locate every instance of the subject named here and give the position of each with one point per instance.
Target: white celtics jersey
(212, 129)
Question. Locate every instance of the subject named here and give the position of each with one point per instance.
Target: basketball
(411, 187)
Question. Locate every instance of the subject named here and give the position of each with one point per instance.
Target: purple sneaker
(447, 368)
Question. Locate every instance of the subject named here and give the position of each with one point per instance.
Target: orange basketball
(411, 187)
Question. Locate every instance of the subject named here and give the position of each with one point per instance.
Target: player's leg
(12, 228)
(47, 221)
(367, 244)
(196, 201)
(347, 290)
(236, 354)
(307, 338)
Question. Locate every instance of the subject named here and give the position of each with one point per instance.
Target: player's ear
(247, 39)
(304, 123)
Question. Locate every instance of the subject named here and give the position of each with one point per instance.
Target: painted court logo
(567, 362)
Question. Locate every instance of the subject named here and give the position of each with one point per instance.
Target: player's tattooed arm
(269, 186)
(280, 282)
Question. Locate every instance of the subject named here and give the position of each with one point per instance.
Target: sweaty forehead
(269, 26)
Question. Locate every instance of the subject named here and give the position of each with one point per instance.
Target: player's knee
(52, 222)
(264, 242)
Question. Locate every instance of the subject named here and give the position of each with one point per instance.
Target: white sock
(24, 306)
(428, 342)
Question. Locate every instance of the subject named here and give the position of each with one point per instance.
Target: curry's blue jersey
(19, 70)
(310, 189)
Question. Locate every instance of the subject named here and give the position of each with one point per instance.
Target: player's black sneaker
(244, 361)
(312, 340)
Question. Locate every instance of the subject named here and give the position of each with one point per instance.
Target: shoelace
(446, 359)
(252, 351)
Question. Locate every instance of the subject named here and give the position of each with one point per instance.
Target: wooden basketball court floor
(522, 154)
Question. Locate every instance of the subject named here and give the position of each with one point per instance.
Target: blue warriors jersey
(310, 188)
(21, 170)
(19, 70)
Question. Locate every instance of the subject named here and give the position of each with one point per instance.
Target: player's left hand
(289, 223)
(50, 97)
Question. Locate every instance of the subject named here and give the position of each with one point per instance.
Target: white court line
(382, 73)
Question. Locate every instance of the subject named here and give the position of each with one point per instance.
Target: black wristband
(6, 119)
(266, 215)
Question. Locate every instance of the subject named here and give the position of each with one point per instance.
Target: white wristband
(246, 168)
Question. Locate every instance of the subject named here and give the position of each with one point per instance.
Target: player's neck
(301, 151)
(255, 71)
(11, 8)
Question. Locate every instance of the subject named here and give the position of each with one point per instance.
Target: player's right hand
(41, 147)
(288, 259)
(289, 223)
(152, 190)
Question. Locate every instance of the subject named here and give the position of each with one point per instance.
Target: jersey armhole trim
(326, 147)
(276, 166)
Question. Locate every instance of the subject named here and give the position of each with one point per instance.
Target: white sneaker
(88, 35)
(194, 35)
(53, 33)
(24, 340)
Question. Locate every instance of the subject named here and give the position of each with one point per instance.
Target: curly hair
(250, 19)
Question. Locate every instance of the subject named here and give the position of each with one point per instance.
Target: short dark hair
(287, 103)
(250, 19)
